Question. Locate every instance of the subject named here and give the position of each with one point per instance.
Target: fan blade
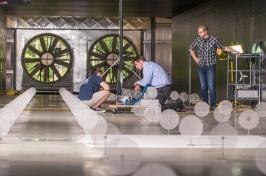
(31, 60)
(44, 49)
(115, 75)
(61, 53)
(102, 64)
(46, 74)
(53, 45)
(104, 47)
(126, 46)
(126, 69)
(56, 72)
(114, 44)
(34, 50)
(37, 68)
(59, 62)
(97, 55)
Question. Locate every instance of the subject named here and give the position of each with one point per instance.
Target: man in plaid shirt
(205, 46)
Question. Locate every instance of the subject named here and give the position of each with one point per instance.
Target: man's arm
(228, 49)
(147, 76)
(192, 48)
(105, 86)
(194, 56)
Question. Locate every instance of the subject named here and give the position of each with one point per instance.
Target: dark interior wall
(231, 21)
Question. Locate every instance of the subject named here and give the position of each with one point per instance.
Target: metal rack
(244, 77)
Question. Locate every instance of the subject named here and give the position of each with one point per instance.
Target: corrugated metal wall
(242, 21)
(2, 52)
(10, 59)
(163, 44)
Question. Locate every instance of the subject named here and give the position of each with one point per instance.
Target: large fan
(47, 58)
(104, 54)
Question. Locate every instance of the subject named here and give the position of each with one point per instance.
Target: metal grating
(74, 22)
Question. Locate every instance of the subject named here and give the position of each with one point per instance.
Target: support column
(153, 38)
(121, 36)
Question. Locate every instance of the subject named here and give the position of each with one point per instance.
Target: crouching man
(94, 91)
(154, 75)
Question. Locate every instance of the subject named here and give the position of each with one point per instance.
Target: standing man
(154, 75)
(206, 58)
(94, 91)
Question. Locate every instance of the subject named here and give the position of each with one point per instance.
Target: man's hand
(197, 60)
(136, 83)
(228, 49)
(137, 88)
(236, 53)
(194, 56)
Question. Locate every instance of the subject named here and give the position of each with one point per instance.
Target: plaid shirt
(206, 50)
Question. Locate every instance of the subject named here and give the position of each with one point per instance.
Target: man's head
(203, 31)
(139, 62)
(97, 71)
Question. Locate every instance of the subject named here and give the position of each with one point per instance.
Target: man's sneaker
(98, 109)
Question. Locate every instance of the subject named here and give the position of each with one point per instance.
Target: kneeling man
(154, 75)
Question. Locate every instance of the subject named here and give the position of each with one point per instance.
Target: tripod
(120, 78)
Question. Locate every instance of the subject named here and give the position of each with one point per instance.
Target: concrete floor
(45, 141)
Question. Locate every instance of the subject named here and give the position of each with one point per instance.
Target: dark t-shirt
(91, 85)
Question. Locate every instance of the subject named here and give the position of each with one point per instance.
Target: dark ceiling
(140, 8)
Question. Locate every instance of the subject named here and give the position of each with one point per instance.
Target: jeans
(163, 94)
(207, 83)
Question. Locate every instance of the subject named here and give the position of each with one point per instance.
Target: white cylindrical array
(86, 118)
(11, 111)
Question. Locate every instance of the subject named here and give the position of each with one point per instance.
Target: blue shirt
(154, 75)
(89, 87)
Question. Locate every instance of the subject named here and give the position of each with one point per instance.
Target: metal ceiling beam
(143, 8)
